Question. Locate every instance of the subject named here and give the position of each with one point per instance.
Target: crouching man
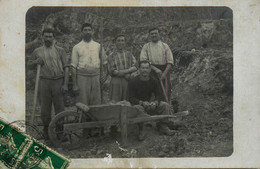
(141, 91)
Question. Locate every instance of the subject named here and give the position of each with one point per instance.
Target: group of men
(90, 66)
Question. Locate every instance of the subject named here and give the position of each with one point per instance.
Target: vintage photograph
(130, 82)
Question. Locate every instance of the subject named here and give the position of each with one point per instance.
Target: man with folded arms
(121, 64)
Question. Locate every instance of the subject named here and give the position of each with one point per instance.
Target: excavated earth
(202, 77)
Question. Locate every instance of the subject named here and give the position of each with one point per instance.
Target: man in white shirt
(87, 59)
(161, 58)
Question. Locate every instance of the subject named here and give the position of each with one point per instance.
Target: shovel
(35, 92)
(163, 89)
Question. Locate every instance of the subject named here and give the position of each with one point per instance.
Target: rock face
(203, 73)
(201, 39)
(182, 28)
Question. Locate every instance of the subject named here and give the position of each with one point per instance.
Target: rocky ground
(202, 79)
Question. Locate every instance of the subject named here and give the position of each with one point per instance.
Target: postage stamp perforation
(15, 154)
(23, 151)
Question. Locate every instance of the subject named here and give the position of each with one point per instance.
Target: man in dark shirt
(161, 58)
(144, 94)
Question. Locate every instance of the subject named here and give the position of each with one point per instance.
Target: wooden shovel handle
(163, 89)
(36, 92)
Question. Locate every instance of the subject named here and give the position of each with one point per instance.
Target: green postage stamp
(18, 150)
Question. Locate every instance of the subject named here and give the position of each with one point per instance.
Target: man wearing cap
(121, 64)
(53, 76)
(87, 61)
(161, 58)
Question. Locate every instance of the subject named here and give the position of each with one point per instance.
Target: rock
(93, 150)
(162, 154)
(99, 152)
(165, 148)
(59, 149)
(88, 154)
(78, 155)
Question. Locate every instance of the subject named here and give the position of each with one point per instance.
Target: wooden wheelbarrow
(68, 128)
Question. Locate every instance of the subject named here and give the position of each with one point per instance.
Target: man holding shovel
(53, 63)
(161, 58)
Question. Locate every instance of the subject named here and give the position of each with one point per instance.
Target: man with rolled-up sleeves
(161, 58)
(54, 76)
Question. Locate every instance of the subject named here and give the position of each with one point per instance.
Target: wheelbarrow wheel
(61, 138)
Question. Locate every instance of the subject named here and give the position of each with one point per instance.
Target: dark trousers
(50, 93)
(162, 109)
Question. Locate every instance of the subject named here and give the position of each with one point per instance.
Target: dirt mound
(202, 74)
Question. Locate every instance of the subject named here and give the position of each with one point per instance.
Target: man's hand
(146, 104)
(120, 73)
(127, 76)
(64, 89)
(39, 61)
(75, 90)
(153, 105)
(158, 72)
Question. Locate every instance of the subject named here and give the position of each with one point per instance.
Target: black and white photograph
(131, 82)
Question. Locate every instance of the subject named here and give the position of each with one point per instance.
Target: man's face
(48, 39)
(120, 42)
(154, 34)
(87, 33)
(145, 69)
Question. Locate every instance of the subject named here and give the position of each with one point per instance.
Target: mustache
(47, 42)
(87, 35)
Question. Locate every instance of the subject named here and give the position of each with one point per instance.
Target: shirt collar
(51, 47)
(120, 51)
(87, 42)
(159, 41)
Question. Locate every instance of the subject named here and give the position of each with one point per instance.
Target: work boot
(49, 143)
(164, 129)
(45, 133)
